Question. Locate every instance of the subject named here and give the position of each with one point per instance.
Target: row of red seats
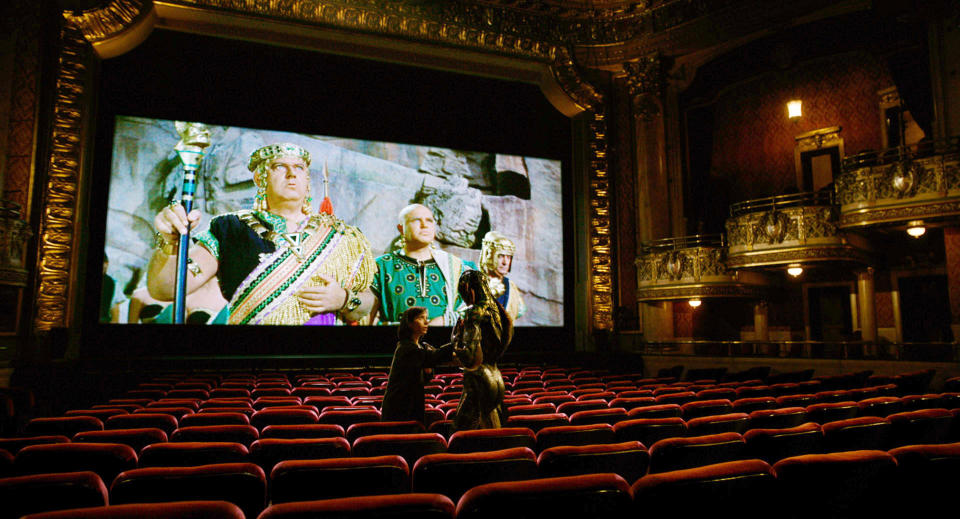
(850, 484)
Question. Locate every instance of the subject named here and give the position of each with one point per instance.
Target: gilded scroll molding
(110, 20)
(601, 245)
(58, 241)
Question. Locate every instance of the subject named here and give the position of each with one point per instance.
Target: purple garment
(328, 319)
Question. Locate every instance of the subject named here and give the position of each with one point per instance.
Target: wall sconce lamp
(794, 109)
(694, 303)
(916, 228)
(794, 269)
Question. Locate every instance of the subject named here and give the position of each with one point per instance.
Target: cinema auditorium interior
(726, 234)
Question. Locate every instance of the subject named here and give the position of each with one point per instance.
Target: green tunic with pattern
(402, 282)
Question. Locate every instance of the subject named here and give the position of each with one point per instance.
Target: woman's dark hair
(405, 330)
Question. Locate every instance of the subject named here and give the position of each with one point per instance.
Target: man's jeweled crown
(272, 151)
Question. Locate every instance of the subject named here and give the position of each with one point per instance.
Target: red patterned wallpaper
(951, 246)
(682, 320)
(883, 303)
(753, 139)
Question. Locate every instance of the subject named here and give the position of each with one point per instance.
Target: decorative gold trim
(797, 255)
(601, 246)
(116, 27)
(646, 80)
(58, 244)
(870, 216)
(701, 292)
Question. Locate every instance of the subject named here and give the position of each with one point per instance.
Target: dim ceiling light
(694, 302)
(794, 109)
(794, 270)
(916, 228)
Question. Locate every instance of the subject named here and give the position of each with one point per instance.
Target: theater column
(658, 321)
(761, 329)
(868, 311)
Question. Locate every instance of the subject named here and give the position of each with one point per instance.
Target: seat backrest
(191, 454)
(628, 459)
(267, 452)
(924, 426)
(176, 510)
(742, 489)
(106, 459)
(306, 480)
(773, 445)
(412, 506)
(243, 484)
(599, 416)
(55, 491)
(535, 422)
(216, 418)
(593, 495)
(135, 438)
(840, 484)
(491, 439)
(574, 435)
(716, 424)
(302, 431)
(370, 428)
(65, 425)
(454, 474)
(13, 445)
(655, 411)
(164, 422)
(273, 416)
(782, 418)
(649, 430)
(865, 432)
(682, 453)
(245, 434)
(410, 446)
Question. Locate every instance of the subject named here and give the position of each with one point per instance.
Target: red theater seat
(106, 459)
(798, 400)
(881, 406)
(568, 408)
(843, 484)
(866, 432)
(731, 422)
(574, 435)
(832, 411)
(599, 416)
(926, 473)
(535, 422)
(682, 453)
(593, 495)
(743, 489)
(177, 510)
(410, 446)
(275, 416)
(55, 491)
(454, 474)
(215, 418)
(305, 480)
(629, 460)
(347, 418)
(371, 428)
(245, 434)
(655, 411)
(751, 404)
(773, 445)
(679, 398)
(782, 418)
(649, 430)
(62, 425)
(135, 438)
(267, 452)
(491, 439)
(13, 445)
(101, 413)
(699, 408)
(191, 454)
(243, 484)
(518, 410)
(924, 426)
(412, 506)
(302, 431)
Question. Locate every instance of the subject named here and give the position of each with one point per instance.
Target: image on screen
(513, 201)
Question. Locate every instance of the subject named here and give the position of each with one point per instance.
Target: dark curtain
(910, 69)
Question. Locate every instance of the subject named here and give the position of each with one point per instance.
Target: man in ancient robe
(496, 261)
(279, 263)
(418, 273)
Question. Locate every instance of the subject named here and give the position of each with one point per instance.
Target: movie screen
(381, 227)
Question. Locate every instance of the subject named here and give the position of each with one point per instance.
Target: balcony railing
(915, 351)
(900, 184)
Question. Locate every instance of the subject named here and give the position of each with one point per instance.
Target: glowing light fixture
(694, 303)
(794, 269)
(794, 109)
(916, 228)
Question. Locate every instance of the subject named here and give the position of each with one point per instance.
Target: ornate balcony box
(692, 267)
(900, 185)
(14, 234)
(799, 228)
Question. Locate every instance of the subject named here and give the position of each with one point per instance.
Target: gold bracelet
(161, 244)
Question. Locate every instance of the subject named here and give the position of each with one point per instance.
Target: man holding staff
(279, 263)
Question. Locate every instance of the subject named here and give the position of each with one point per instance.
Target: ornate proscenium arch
(478, 38)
